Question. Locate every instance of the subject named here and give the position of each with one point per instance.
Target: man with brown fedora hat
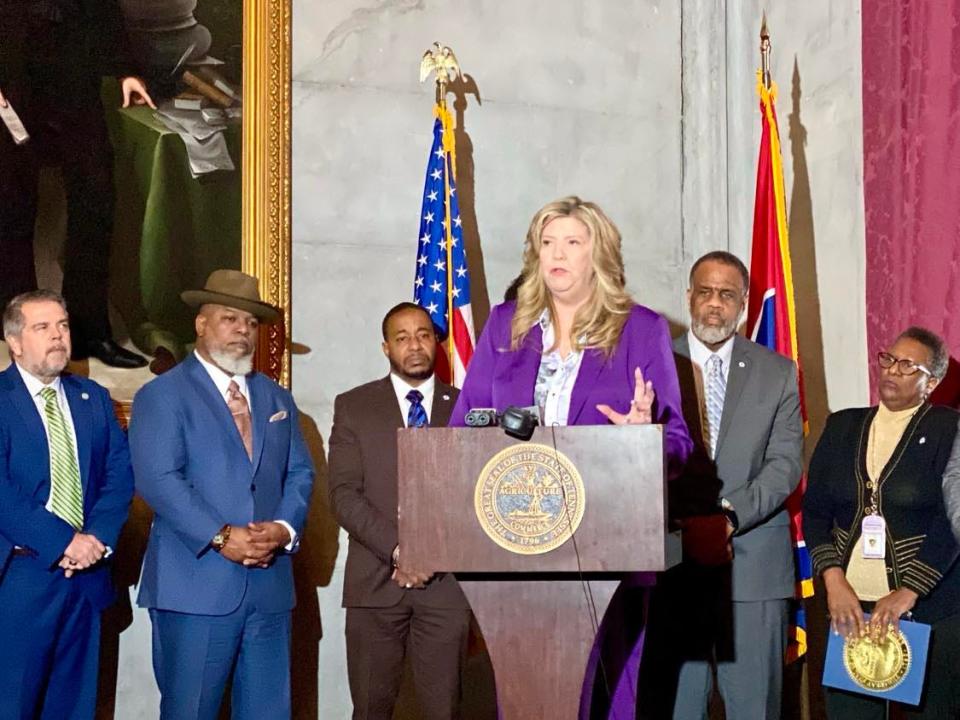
(218, 454)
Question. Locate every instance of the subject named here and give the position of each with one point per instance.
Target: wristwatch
(221, 538)
(727, 509)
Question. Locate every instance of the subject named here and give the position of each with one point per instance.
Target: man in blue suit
(217, 453)
(65, 489)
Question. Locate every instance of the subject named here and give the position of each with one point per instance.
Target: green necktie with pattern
(66, 493)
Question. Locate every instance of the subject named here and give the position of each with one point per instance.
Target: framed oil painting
(157, 150)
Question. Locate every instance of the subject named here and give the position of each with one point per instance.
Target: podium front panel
(474, 500)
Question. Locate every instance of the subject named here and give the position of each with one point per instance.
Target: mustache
(59, 347)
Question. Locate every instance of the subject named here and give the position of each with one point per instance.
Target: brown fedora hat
(233, 289)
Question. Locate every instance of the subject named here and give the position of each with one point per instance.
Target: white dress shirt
(700, 353)
(556, 377)
(401, 387)
(222, 380)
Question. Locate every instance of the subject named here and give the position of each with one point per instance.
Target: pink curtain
(911, 147)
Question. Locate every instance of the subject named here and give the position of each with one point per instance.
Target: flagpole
(765, 52)
(442, 60)
(448, 234)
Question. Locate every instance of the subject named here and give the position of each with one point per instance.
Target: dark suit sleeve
(939, 549)
(108, 515)
(159, 457)
(818, 514)
(354, 513)
(25, 521)
(779, 475)
(298, 484)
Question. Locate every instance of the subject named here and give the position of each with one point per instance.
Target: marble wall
(648, 108)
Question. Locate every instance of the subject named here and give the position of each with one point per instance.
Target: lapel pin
(742, 363)
(84, 396)
(446, 397)
(923, 439)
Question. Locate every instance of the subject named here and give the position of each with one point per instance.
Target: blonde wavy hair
(601, 319)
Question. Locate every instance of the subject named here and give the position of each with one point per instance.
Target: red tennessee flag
(771, 318)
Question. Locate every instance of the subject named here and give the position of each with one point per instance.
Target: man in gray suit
(951, 488)
(724, 609)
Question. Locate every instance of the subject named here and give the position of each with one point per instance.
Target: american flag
(441, 272)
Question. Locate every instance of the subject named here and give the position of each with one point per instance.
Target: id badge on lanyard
(873, 530)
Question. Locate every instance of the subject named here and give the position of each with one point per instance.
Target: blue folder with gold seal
(891, 669)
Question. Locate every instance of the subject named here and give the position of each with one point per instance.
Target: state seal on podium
(529, 498)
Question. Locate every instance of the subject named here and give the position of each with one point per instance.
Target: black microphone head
(480, 417)
(518, 422)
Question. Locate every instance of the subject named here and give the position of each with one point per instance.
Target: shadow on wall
(803, 255)
(802, 694)
(127, 561)
(312, 568)
(312, 565)
(466, 190)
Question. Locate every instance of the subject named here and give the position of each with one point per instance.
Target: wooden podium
(538, 612)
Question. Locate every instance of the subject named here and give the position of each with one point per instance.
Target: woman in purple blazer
(574, 342)
(576, 345)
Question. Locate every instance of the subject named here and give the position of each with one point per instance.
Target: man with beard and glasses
(393, 609)
(724, 609)
(65, 488)
(218, 454)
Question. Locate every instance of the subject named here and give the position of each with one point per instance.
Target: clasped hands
(84, 551)
(406, 577)
(846, 613)
(641, 407)
(257, 544)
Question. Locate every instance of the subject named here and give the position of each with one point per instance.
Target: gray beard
(234, 365)
(711, 335)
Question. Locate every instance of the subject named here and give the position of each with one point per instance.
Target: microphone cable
(587, 591)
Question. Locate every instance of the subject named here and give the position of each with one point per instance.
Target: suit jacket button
(253, 487)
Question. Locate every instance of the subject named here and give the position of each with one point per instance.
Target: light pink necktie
(241, 415)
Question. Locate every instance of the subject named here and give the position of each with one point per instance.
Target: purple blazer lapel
(514, 384)
(590, 367)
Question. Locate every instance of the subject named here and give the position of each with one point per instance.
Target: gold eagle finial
(442, 60)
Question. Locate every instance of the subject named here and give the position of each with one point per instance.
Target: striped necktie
(716, 389)
(416, 415)
(66, 493)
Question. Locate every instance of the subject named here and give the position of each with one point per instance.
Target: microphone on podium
(516, 422)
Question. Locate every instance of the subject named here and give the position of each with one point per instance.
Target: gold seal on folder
(877, 664)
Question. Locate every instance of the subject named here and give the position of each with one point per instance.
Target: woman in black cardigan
(885, 464)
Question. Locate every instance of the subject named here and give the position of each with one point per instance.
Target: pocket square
(278, 416)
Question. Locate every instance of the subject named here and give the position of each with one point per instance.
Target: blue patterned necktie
(716, 389)
(416, 415)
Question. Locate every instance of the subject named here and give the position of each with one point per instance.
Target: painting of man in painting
(127, 188)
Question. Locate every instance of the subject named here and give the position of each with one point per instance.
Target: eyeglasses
(904, 365)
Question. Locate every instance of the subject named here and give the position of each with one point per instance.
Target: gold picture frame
(266, 170)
